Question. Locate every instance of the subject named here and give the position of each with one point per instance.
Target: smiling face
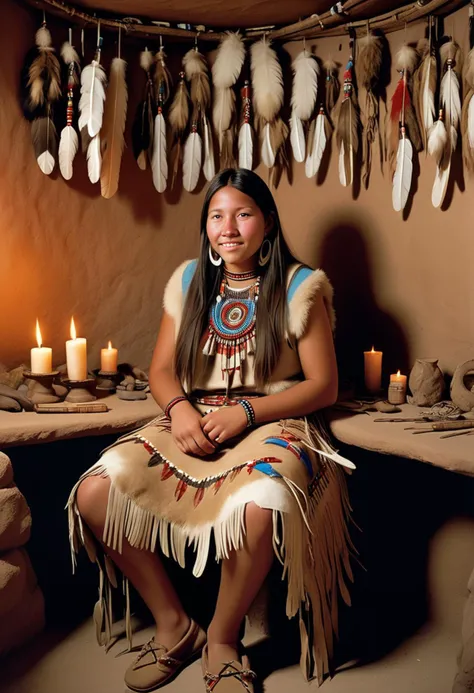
(236, 228)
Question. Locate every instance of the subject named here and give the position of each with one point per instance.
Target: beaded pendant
(232, 326)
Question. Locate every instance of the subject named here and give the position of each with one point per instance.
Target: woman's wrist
(249, 412)
(172, 403)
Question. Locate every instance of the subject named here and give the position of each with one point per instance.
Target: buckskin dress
(161, 496)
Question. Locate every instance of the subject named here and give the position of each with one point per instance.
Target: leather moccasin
(234, 676)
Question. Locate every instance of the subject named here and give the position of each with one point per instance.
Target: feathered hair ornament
(113, 127)
(403, 129)
(143, 125)
(331, 86)
(225, 73)
(69, 140)
(200, 136)
(467, 114)
(424, 87)
(303, 100)
(267, 84)
(443, 137)
(369, 65)
(159, 161)
(43, 89)
(178, 117)
(246, 131)
(91, 108)
(347, 127)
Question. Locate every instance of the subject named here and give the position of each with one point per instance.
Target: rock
(9, 404)
(24, 402)
(13, 378)
(15, 519)
(6, 471)
(386, 407)
(460, 394)
(131, 394)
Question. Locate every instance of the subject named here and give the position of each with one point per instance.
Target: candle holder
(107, 381)
(79, 390)
(42, 392)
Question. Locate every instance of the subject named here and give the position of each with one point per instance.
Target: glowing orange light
(373, 349)
(73, 329)
(38, 334)
(110, 345)
(398, 374)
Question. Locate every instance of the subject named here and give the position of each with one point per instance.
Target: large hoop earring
(264, 256)
(215, 262)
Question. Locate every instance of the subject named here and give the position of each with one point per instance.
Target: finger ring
(216, 438)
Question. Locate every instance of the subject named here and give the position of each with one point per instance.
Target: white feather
(208, 166)
(297, 137)
(267, 80)
(68, 145)
(91, 103)
(451, 98)
(223, 106)
(46, 162)
(192, 159)
(245, 146)
(94, 159)
(437, 139)
(305, 85)
(440, 185)
(159, 163)
(342, 166)
(229, 60)
(470, 122)
(314, 158)
(428, 105)
(403, 174)
(268, 155)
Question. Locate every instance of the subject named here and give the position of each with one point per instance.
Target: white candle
(76, 355)
(373, 370)
(41, 357)
(401, 380)
(108, 359)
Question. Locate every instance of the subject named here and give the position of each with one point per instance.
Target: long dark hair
(204, 287)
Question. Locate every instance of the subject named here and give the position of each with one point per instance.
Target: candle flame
(373, 349)
(73, 329)
(110, 345)
(398, 373)
(38, 334)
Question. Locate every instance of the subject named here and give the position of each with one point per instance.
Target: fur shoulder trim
(316, 283)
(173, 296)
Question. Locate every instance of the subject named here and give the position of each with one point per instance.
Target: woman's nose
(230, 227)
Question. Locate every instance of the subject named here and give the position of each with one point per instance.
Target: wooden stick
(66, 408)
(458, 433)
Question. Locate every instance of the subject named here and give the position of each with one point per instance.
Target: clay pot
(426, 383)
(462, 396)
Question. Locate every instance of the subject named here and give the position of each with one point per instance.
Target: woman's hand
(224, 423)
(186, 429)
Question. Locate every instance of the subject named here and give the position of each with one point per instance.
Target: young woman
(243, 359)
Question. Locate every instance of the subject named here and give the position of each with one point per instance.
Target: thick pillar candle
(41, 357)
(373, 370)
(76, 356)
(108, 359)
(398, 391)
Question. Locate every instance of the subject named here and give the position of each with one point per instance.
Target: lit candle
(397, 389)
(373, 370)
(76, 355)
(41, 357)
(108, 359)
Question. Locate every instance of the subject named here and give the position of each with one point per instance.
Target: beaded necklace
(231, 332)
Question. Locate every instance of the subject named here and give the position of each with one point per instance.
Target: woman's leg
(143, 568)
(242, 576)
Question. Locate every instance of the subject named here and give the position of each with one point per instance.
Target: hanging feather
(69, 140)
(467, 114)
(424, 89)
(159, 162)
(112, 135)
(178, 120)
(450, 111)
(403, 173)
(197, 73)
(332, 86)
(94, 159)
(192, 160)
(317, 141)
(142, 129)
(225, 73)
(45, 143)
(437, 138)
(44, 75)
(91, 104)
(402, 112)
(267, 84)
(347, 128)
(208, 166)
(369, 67)
(245, 132)
(303, 100)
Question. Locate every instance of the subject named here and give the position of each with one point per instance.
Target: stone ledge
(454, 454)
(27, 428)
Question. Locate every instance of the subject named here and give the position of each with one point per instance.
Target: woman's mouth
(230, 245)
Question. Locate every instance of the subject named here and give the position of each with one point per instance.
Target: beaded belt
(221, 400)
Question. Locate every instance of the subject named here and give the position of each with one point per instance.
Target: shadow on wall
(345, 256)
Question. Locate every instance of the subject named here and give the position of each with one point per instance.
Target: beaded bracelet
(171, 403)
(249, 412)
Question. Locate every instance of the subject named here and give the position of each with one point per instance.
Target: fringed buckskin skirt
(161, 496)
